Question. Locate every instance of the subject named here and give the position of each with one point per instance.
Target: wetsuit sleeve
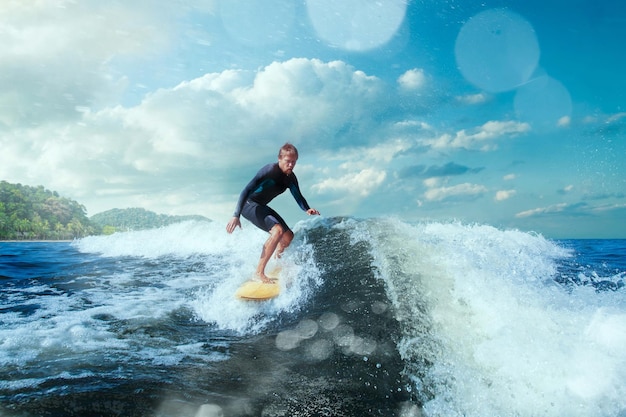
(249, 189)
(297, 195)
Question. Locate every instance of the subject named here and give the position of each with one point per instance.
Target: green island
(35, 213)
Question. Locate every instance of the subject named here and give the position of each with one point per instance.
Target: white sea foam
(299, 276)
(232, 258)
(503, 338)
(180, 239)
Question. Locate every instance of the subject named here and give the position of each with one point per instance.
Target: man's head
(287, 158)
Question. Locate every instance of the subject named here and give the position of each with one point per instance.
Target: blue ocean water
(376, 317)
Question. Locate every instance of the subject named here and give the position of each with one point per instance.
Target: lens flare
(497, 50)
(356, 25)
(543, 102)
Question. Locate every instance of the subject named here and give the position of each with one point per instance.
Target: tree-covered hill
(36, 213)
(136, 219)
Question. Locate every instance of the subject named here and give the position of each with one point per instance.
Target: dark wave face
(375, 317)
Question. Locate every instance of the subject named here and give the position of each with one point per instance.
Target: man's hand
(312, 212)
(232, 224)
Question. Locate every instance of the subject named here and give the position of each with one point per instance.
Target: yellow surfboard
(257, 290)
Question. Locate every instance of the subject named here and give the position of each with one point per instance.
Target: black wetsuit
(268, 183)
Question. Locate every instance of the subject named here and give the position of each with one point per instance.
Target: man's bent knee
(285, 240)
(277, 229)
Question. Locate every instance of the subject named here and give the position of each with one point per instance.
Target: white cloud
(56, 55)
(472, 99)
(609, 207)
(432, 182)
(311, 91)
(45, 29)
(413, 79)
(361, 183)
(604, 118)
(502, 195)
(564, 121)
(413, 125)
(616, 117)
(509, 177)
(556, 208)
(482, 138)
(573, 209)
(368, 156)
(462, 190)
(204, 129)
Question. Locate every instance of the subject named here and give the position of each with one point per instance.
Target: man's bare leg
(285, 241)
(276, 234)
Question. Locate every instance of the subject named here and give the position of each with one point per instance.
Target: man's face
(287, 162)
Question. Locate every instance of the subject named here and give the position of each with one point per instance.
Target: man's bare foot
(265, 279)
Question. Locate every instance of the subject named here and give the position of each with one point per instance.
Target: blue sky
(505, 113)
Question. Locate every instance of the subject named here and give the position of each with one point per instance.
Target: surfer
(271, 180)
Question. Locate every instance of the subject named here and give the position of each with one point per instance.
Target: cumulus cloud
(205, 129)
(361, 183)
(483, 138)
(413, 79)
(360, 157)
